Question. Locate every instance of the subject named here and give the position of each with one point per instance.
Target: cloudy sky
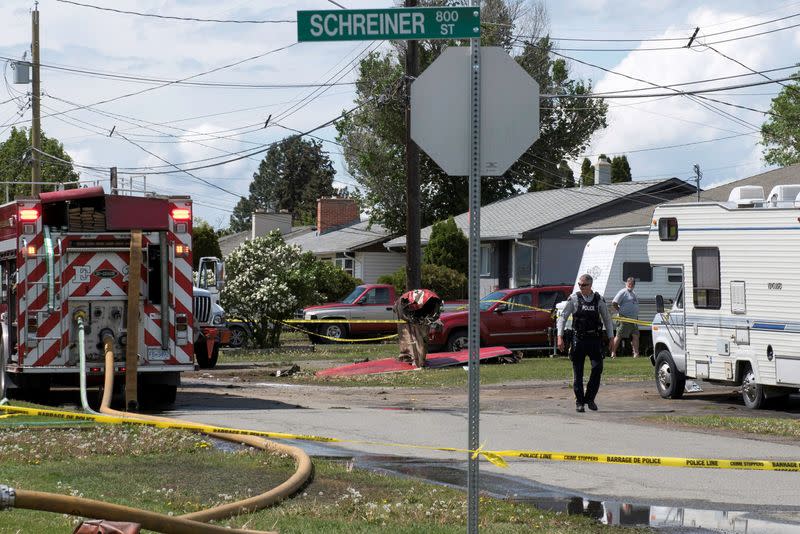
(263, 70)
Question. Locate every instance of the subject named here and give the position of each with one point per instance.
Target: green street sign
(393, 23)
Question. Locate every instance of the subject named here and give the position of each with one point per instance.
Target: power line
(666, 147)
(170, 17)
(216, 69)
(742, 64)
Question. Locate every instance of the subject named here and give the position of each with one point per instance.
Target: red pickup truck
(365, 302)
(507, 319)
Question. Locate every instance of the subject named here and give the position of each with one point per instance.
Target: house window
(668, 229)
(705, 283)
(524, 264)
(674, 274)
(641, 271)
(344, 263)
(486, 260)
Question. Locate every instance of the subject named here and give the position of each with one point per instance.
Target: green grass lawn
(752, 425)
(544, 368)
(128, 466)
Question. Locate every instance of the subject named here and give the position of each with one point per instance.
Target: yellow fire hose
(291, 485)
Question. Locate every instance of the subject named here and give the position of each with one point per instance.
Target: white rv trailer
(734, 321)
(611, 259)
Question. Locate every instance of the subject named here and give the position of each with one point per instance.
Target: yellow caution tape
(343, 321)
(622, 319)
(495, 457)
(337, 339)
(6, 416)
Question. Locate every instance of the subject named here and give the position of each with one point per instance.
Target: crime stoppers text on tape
(496, 457)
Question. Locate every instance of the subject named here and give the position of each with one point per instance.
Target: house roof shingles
(345, 239)
(640, 218)
(512, 217)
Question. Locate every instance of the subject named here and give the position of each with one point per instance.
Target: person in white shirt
(627, 304)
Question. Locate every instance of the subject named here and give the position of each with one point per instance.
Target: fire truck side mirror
(220, 272)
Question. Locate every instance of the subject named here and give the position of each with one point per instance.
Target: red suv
(508, 318)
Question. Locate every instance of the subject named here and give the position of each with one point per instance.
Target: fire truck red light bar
(181, 214)
(28, 214)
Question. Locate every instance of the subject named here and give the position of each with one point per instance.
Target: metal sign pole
(474, 279)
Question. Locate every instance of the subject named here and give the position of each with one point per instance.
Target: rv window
(705, 274)
(674, 274)
(668, 229)
(641, 271)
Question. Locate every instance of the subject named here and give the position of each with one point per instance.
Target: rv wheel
(669, 381)
(752, 393)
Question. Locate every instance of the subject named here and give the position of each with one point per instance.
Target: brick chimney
(336, 212)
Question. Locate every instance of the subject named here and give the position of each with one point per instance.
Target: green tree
(567, 176)
(373, 137)
(448, 283)
(293, 174)
(780, 134)
(205, 242)
(587, 172)
(266, 282)
(620, 169)
(447, 246)
(15, 162)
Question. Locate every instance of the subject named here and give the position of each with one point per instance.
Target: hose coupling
(7, 496)
(79, 315)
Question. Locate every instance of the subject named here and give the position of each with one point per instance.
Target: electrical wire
(216, 69)
(742, 64)
(170, 17)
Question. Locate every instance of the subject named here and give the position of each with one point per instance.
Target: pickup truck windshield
(489, 300)
(349, 299)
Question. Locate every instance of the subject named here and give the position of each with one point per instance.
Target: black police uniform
(587, 326)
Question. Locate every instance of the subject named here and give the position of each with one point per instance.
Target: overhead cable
(170, 17)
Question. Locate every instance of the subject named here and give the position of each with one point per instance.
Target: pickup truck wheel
(669, 381)
(335, 331)
(458, 340)
(752, 393)
(238, 336)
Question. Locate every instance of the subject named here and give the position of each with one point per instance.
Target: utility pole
(113, 180)
(698, 175)
(36, 132)
(413, 246)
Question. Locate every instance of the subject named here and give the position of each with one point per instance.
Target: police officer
(589, 316)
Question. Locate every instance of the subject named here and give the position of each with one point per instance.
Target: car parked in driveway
(517, 318)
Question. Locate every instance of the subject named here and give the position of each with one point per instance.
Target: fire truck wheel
(669, 381)
(204, 361)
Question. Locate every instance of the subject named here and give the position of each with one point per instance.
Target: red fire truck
(66, 254)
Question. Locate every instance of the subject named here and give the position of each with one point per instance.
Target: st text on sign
(393, 23)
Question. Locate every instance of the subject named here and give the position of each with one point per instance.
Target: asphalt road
(528, 416)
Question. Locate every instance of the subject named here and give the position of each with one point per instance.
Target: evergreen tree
(292, 176)
(205, 242)
(620, 169)
(567, 176)
(447, 246)
(587, 172)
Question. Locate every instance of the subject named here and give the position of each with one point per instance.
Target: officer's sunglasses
(584, 285)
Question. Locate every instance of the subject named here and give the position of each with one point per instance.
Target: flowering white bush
(266, 282)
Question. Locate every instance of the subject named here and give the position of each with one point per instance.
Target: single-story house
(527, 239)
(640, 219)
(352, 244)
(263, 223)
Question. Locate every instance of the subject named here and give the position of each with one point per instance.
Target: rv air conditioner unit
(747, 195)
(783, 195)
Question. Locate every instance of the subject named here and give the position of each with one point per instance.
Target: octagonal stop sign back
(440, 111)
